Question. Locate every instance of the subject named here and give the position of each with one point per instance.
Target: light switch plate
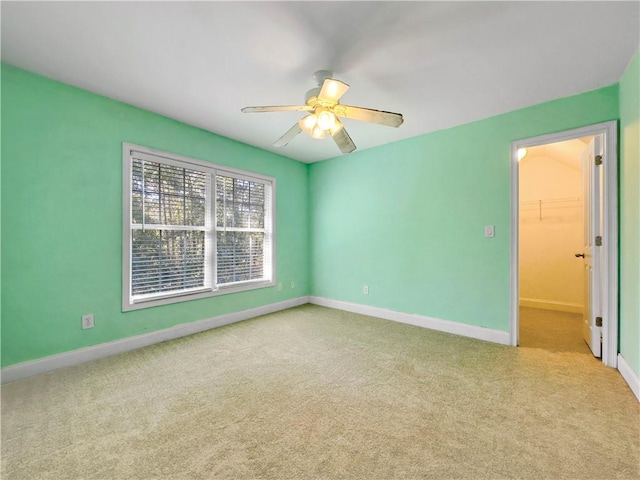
(489, 231)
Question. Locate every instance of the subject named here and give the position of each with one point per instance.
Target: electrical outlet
(293, 284)
(87, 321)
(280, 287)
(365, 289)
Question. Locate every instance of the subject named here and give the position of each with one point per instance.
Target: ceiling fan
(324, 108)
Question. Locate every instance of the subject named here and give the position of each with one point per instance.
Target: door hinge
(598, 241)
(598, 160)
(598, 321)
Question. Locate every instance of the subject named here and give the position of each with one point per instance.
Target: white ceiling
(440, 64)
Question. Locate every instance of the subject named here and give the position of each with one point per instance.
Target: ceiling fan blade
(288, 136)
(381, 117)
(332, 90)
(278, 108)
(342, 138)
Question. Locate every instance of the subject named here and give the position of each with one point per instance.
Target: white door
(592, 200)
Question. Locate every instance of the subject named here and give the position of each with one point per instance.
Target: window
(192, 229)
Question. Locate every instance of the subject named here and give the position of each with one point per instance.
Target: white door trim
(609, 132)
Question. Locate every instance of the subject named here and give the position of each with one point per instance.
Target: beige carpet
(315, 393)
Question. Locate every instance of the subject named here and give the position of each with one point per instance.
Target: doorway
(598, 256)
(551, 244)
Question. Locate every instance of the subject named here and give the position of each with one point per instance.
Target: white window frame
(211, 169)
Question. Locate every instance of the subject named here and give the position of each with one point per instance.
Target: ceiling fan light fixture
(326, 120)
(308, 123)
(317, 133)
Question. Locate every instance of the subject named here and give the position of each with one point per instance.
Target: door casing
(608, 132)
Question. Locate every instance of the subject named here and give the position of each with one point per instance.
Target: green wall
(62, 216)
(630, 215)
(407, 219)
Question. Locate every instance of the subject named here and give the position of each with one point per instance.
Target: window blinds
(169, 228)
(243, 229)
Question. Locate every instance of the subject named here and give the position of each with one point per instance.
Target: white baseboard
(75, 357)
(551, 305)
(480, 333)
(629, 376)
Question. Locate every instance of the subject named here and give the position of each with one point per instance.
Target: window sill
(196, 294)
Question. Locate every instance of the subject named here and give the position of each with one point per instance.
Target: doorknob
(580, 255)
